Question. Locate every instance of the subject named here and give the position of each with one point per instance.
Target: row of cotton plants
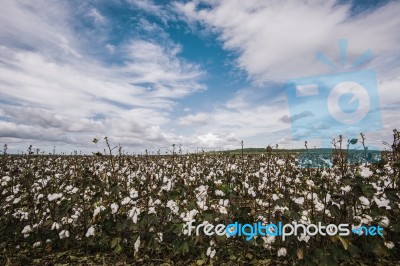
(142, 206)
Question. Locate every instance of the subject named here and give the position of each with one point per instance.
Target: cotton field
(138, 208)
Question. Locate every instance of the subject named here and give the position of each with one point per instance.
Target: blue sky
(200, 74)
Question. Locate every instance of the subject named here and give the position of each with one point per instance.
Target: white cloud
(54, 91)
(276, 40)
(96, 16)
(241, 117)
(197, 119)
(152, 8)
(110, 48)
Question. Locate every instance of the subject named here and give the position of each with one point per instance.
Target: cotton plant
(212, 185)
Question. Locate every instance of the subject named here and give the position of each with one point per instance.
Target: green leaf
(192, 205)
(64, 208)
(149, 219)
(367, 190)
(118, 249)
(225, 188)
(185, 247)
(330, 261)
(200, 262)
(265, 262)
(174, 194)
(368, 246)
(391, 194)
(208, 215)
(249, 256)
(396, 228)
(178, 228)
(335, 211)
(380, 249)
(3, 245)
(115, 242)
(353, 141)
(119, 226)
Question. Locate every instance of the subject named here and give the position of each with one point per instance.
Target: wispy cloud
(149, 6)
(198, 119)
(278, 40)
(55, 89)
(70, 71)
(287, 119)
(96, 16)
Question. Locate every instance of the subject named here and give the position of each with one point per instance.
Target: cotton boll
(63, 234)
(133, 213)
(97, 210)
(90, 232)
(382, 202)
(251, 192)
(125, 201)
(55, 196)
(114, 208)
(219, 193)
(282, 252)
(328, 197)
(299, 201)
(133, 193)
(137, 245)
(389, 244)
(280, 162)
(218, 182)
(366, 219)
(55, 226)
(222, 210)
(27, 229)
(319, 206)
(160, 237)
(384, 222)
(210, 252)
(268, 239)
(6, 178)
(172, 206)
(275, 197)
(226, 202)
(9, 198)
(364, 201)
(16, 200)
(365, 172)
(304, 238)
(346, 188)
(152, 210)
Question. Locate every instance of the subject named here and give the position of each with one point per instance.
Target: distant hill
(264, 150)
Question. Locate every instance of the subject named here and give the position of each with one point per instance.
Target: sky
(197, 74)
